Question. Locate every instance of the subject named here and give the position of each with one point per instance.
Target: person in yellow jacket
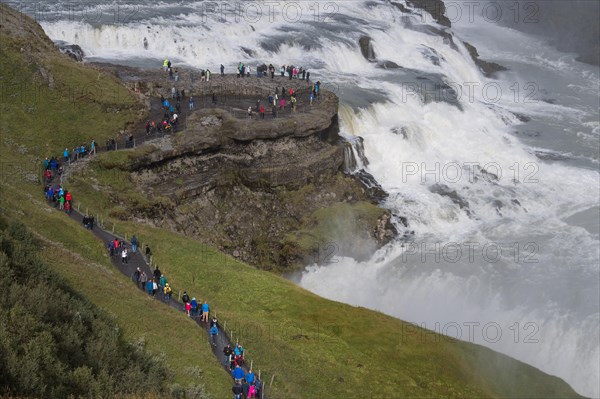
(166, 64)
(167, 291)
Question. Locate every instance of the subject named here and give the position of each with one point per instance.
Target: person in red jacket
(262, 111)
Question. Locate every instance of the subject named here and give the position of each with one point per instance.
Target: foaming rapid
(502, 246)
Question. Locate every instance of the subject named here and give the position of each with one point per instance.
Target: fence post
(225, 326)
(113, 229)
(179, 296)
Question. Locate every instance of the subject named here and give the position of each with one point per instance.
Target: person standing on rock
(173, 92)
(308, 76)
(191, 102)
(293, 100)
(282, 103)
(208, 75)
(274, 111)
(257, 106)
(250, 111)
(222, 70)
(311, 97)
(303, 74)
(148, 253)
(262, 112)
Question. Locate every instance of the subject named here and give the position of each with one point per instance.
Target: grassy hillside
(48, 102)
(314, 348)
(56, 342)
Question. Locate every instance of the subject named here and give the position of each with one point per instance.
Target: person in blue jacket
(214, 331)
(149, 287)
(194, 304)
(237, 373)
(205, 312)
(250, 377)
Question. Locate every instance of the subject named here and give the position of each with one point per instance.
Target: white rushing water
(507, 259)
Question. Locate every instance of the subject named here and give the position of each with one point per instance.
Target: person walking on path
(162, 282)
(205, 312)
(250, 377)
(167, 292)
(214, 331)
(237, 390)
(245, 389)
(194, 305)
(143, 280)
(228, 353)
(188, 309)
(137, 275)
(134, 243)
(157, 274)
(149, 287)
(237, 374)
(124, 256)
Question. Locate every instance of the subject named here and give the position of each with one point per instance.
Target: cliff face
(269, 191)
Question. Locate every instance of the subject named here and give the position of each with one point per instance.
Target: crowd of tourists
(246, 384)
(277, 101)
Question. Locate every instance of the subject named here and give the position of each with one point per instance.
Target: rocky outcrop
(270, 192)
(72, 50)
(366, 48)
(489, 69)
(436, 8)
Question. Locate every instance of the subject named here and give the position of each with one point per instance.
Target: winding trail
(138, 259)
